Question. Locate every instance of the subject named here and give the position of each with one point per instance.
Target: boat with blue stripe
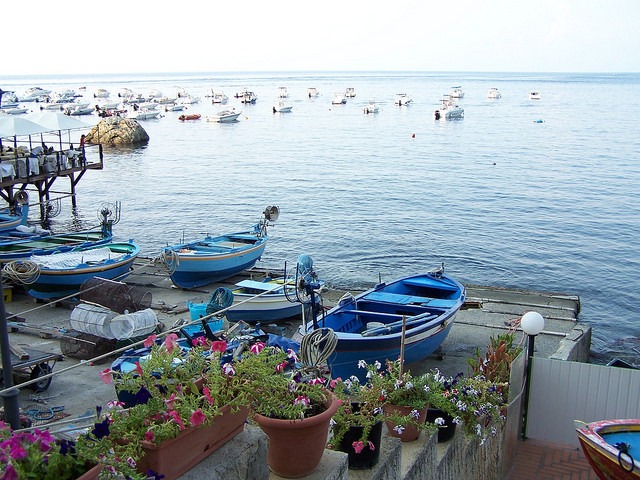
(413, 313)
(212, 259)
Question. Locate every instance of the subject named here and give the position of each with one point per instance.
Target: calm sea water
(498, 197)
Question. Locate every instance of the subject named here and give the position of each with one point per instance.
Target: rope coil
(22, 271)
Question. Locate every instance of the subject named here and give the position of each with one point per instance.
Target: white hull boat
(371, 108)
(449, 110)
(225, 116)
(494, 93)
(339, 99)
(403, 99)
(282, 107)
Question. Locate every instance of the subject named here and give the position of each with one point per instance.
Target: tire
(37, 372)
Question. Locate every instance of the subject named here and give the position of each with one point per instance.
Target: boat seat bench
(263, 286)
(409, 299)
(372, 314)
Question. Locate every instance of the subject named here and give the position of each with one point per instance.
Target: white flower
(378, 365)
(439, 421)
(408, 386)
(362, 364)
(414, 414)
(398, 429)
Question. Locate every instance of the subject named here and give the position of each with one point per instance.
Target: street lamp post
(532, 324)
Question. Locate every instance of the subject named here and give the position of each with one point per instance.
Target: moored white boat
(371, 107)
(494, 93)
(312, 92)
(219, 97)
(534, 95)
(283, 92)
(339, 99)
(403, 99)
(282, 107)
(449, 110)
(350, 92)
(456, 92)
(143, 113)
(225, 116)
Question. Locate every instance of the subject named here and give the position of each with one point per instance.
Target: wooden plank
(19, 352)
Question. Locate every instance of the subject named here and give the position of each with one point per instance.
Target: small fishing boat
(282, 107)
(371, 107)
(350, 92)
(59, 275)
(312, 92)
(456, 92)
(23, 241)
(225, 116)
(339, 98)
(493, 93)
(402, 99)
(283, 92)
(370, 325)
(609, 446)
(211, 259)
(15, 215)
(534, 95)
(193, 116)
(264, 301)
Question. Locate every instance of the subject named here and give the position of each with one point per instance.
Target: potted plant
(38, 454)
(495, 363)
(292, 408)
(407, 399)
(189, 403)
(356, 428)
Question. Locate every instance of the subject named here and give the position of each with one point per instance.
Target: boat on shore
(264, 301)
(371, 325)
(23, 241)
(15, 214)
(58, 275)
(211, 259)
(610, 445)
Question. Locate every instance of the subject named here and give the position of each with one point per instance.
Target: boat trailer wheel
(38, 371)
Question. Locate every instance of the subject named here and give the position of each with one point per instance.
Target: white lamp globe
(532, 323)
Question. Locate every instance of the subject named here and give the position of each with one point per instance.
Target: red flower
(105, 376)
(197, 418)
(150, 340)
(171, 342)
(219, 346)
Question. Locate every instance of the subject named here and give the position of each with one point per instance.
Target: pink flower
(149, 436)
(171, 342)
(219, 346)
(257, 347)
(176, 418)
(150, 340)
(199, 341)
(139, 369)
(169, 402)
(358, 446)
(281, 366)
(207, 394)
(372, 447)
(197, 418)
(105, 376)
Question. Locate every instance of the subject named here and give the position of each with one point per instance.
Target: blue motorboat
(62, 274)
(212, 259)
(16, 214)
(371, 326)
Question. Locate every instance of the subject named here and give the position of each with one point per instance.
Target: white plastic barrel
(93, 319)
(134, 324)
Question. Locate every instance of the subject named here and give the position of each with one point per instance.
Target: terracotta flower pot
(296, 446)
(92, 474)
(410, 432)
(174, 457)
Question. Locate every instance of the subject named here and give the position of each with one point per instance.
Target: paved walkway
(536, 460)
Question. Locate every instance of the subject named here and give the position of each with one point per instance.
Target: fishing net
(116, 296)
